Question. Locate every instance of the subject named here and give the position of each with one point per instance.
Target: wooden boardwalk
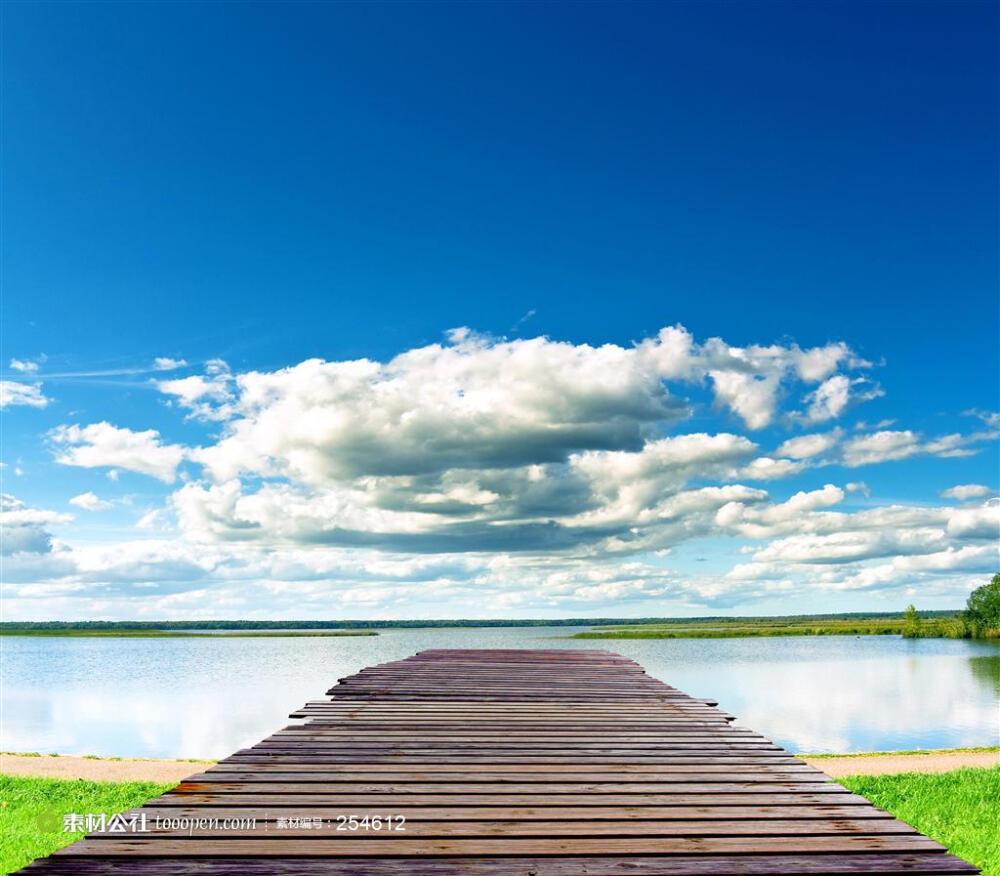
(512, 763)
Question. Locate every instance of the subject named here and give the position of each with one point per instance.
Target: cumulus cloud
(103, 445)
(14, 393)
(808, 446)
(839, 547)
(206, 397)
(515, 474)
(752, 396)
(962, 492)
(765, 468)
(479, 402)
(473, 404)
(23, 366)
(485, 444)
(24, 529)
(831, 398)
(885, 548)
(982, 522)
(90, 502)
(889, 445)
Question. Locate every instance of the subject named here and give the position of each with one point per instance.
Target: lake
(207, 696)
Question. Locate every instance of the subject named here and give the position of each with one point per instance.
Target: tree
(911, 623)
(982, 611)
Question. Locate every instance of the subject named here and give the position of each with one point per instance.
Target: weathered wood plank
(716, 865)
(538, 829)
(589, 815)
(539, 798)
(274, 846)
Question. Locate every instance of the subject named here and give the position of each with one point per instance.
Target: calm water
(207, 696)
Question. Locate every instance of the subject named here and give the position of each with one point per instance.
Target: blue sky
(264, 195)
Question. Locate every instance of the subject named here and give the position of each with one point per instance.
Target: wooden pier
(510, 763)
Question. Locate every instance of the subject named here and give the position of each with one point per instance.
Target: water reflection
(205, 697)
(986, 669)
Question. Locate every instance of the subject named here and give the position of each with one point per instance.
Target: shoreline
(109, 769)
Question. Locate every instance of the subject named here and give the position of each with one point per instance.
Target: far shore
(102, 769)
(182, 634)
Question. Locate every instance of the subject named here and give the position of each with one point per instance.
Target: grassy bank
(428, 624)
(31, 812)
(718, 628)
(168, 634)
(958, 809)
(911, 752)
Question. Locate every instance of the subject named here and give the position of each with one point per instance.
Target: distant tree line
(424, 624)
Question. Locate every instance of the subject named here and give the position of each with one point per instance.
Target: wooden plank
(788, 865)
(591, 814)
(381, 800)
(400, 844)
(716, 865)
(594, 788)
(484, 770)
(539, 829)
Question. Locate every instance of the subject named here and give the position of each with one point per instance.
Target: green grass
(166, 634)
(987, 749)
(32, 809)
(958, 809)
(719, 628)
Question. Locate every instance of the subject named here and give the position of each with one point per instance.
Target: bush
(982, 612)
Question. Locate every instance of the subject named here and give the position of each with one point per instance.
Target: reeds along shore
(950, 626)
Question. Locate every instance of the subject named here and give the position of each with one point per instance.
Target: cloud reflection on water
(189, 697)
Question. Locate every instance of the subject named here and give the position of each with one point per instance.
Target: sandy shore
(880, 764)
(100, 769)
(103, 770)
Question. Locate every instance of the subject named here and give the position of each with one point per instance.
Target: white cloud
(207, 397)
(975, 523)
(889, 445)
(968, 564)
(840, 547)
(752, 396)
(155, 518)
(819, 363)
(101, 444)
(808, 446)
(962, 492)
(990, 418)
(165, 363)
(477, 402)
(23, 366)
(503, 475)
(831, 398)
(14, 393)
(749, 380)
(24, 529)
(881, 447)
(90, 502)
(916, 547)
(765, 468)
(885, 423)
